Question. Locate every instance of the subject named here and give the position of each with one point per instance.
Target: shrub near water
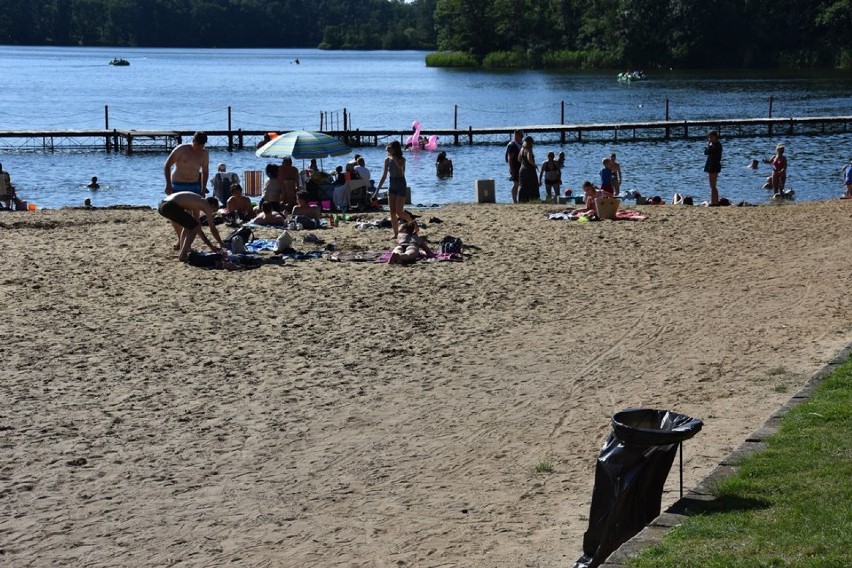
(566, 59)
(518, 59)
(505, 60)
(451, 59)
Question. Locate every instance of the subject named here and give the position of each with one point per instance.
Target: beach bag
(451, 245)
(283, 242)
(238, 245)
(607, 207)
(245, 233)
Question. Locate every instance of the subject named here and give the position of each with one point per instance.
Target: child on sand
(606, 178)
(591, 193)
(410, 247)
(238, 204)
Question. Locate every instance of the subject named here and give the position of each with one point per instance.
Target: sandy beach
(323, 414)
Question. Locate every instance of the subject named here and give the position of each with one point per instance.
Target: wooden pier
(130, 141)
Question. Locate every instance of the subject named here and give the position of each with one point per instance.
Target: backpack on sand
(451, 245)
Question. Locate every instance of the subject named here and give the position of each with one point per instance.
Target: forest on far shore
(495, 33)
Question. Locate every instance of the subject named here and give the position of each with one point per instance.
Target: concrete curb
(703, 492)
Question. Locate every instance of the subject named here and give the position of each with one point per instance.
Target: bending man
(182, 209)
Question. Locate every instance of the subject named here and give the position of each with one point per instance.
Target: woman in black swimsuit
(528, 173)
(713, 165)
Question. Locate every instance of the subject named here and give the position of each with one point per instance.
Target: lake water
(191, 89)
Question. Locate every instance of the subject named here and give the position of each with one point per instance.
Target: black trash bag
(629, 477)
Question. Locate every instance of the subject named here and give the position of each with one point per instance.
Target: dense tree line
(649, 33)
(332, 24)
(635, 33)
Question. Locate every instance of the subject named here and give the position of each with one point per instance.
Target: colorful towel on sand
(434, 257)
(258, 245)
(620, 215)
(296, 255)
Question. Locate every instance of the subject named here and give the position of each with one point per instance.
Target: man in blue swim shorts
(187, 166)
(186, 169)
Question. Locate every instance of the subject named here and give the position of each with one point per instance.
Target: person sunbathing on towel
(182, 209)
(410, 247)
(269, 216)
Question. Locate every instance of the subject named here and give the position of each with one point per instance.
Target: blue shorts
(397, 186)
(192, 186)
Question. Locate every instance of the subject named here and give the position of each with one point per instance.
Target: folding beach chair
(253, 183)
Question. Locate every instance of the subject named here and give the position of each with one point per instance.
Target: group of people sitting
(272, 212)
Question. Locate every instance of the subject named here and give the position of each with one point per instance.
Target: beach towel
(357, 256)
(297, 255)
(215, 261)
(627, 215)
(260, 245)
(434, 257)
(620, 215)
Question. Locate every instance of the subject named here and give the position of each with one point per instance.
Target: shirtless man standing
(184, 164)
(182, 170)
(616, 174)
(182, 209)
(513, 149)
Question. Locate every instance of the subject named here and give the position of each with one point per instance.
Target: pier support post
(129, 144)
(106, 127)
(470, 135)
(771, 100)
(562, 122)
(230, 134)
(668, 131)
(456, 125)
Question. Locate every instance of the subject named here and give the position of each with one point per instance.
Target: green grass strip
(789, 505)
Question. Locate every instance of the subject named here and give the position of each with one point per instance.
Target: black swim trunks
(174, 212)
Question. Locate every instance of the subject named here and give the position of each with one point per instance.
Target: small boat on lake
(629, 76)
(118, 62)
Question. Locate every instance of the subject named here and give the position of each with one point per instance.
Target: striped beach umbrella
(303, 145)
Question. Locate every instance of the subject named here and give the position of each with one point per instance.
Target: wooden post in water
(456, 125)
(230, 135)
(770, 113)
(106, 127)
(470, 135)
(345, 126)
(562, 122)
(668, 131)
(240, 138)
(322, 115)
(129, 143)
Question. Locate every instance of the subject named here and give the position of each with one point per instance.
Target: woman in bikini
(409, 247)
(397, 186)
